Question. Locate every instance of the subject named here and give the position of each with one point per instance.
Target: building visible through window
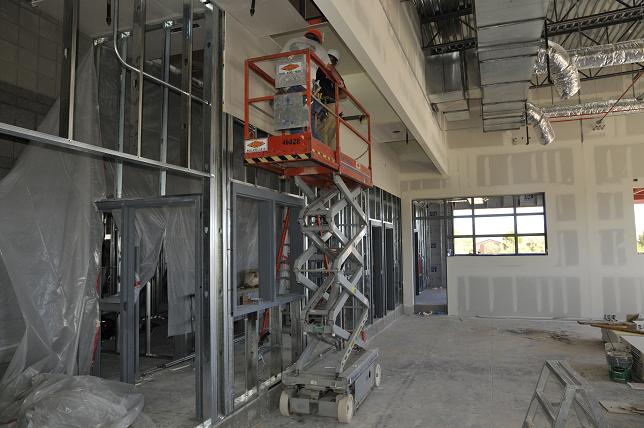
(496, 225)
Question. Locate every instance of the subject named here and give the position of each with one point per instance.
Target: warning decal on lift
(280, 158)
(290, 68)
(256, 145)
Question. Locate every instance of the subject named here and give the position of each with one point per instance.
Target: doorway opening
(430, 250)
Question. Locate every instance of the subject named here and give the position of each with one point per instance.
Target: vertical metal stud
(137, 56)
(121, 125)
(68, 71)
(129, 326)
(200, 352)
(251, 350)
(276, 340)
(163, 149)
(186, 79)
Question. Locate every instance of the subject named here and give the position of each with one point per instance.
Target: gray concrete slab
(446, 372)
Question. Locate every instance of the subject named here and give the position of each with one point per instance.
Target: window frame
(449, 217)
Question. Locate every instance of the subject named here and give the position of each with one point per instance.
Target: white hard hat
(334, 53)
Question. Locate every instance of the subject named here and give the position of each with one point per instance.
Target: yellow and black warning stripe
(280, 158)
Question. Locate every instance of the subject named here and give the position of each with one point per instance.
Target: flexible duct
(629, 52)
(540, 123)
(594, 108)
(563, 70)
(564, 65)
(539, 117)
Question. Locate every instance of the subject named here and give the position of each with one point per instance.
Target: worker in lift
(327, 125)
(312, 40)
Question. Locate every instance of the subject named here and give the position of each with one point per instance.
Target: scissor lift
(335, 372)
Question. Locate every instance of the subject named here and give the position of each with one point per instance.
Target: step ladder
(577, 396)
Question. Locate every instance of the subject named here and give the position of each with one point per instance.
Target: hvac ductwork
(562, 69)
(594, 108)
(539, 117)
(629, 52)
(564, 65)
(539, 121)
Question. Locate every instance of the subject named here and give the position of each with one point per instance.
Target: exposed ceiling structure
(450, 25)
(462, 65)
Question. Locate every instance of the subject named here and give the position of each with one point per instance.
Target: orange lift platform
(287, 98)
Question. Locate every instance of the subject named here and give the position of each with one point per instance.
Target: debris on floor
(424, 314)
(535, 334)
(76, 401)
(622, 408)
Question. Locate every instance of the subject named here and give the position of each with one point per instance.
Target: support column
(212, 344)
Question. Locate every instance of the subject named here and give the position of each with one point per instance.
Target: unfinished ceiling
(474, 50)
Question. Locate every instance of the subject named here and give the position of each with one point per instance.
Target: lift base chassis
(317, 390)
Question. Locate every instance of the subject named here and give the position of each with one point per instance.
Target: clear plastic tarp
(57, 400)
(50, 234)
(50, 243)
(170, 228)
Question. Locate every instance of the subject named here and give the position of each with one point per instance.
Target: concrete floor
(432, 296)
(442, 371)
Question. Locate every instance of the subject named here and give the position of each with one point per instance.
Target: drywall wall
(592, 267)
(240, 44)
(372, 38)
(385, 168)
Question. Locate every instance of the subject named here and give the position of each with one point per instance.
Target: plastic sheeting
(12, 327)
(80, 401)
(50, 234)
(180, 258)
(156, 227)
(246, 239)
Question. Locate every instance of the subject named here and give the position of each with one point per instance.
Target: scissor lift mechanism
(335, 372)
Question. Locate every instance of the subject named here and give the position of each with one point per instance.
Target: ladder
(340, 272)
(576, 396)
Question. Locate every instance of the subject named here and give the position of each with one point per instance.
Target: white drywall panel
(368, 32)
(592, 267)
(241, 44)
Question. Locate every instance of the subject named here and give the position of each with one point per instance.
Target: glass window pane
(494, 225)
(460, 207)
(495, 245)
(529, 224)
(247, 251)
(530, 200)
(493, 205)
(463, 226)
(532, 244)
(638, 206)
(463, 246)
(524, 210)
(493, 211)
